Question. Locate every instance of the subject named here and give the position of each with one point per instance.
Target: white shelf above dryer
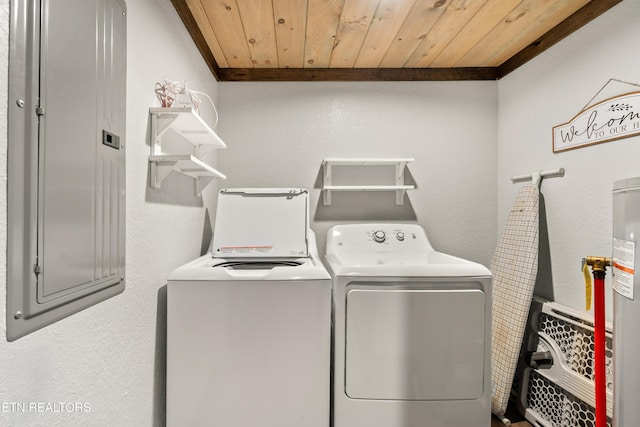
(399, 186)
(190, 126)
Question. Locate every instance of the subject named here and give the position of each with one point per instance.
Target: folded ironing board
(514, 267)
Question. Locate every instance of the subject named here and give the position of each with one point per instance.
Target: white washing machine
(249, 325)
(412, 330)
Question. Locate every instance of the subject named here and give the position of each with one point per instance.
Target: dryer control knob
(379, 236)
(400, 236)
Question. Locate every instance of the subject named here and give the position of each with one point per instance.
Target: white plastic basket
(563, 394)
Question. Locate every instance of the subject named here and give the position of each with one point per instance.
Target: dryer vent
(554, 383)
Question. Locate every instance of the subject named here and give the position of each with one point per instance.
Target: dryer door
(415, 344)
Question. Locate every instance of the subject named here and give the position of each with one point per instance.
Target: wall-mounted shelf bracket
(162, 165)
(188, 124)
(399, 186)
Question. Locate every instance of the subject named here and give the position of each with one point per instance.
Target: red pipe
(599, 349)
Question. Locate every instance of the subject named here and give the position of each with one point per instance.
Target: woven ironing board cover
(514, 267)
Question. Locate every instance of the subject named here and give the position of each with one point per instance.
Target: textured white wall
(105, 356)
(549, 91)
(278, 134)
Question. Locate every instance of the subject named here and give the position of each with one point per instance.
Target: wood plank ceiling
(293, 40)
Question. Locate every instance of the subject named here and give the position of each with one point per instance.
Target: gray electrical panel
(66, 162)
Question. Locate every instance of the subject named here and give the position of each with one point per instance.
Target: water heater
(626, 303)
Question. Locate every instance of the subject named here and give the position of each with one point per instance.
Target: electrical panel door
(72, 122)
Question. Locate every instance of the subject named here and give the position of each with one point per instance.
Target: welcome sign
(611, 119)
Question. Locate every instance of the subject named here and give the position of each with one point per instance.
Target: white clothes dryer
(412, 330)
(249, 324)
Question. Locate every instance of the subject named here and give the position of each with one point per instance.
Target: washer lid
(261, 223)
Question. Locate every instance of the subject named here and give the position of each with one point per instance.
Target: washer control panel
(380, 237)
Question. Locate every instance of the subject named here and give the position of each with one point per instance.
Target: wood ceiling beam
(580, 18)
(357, 74)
